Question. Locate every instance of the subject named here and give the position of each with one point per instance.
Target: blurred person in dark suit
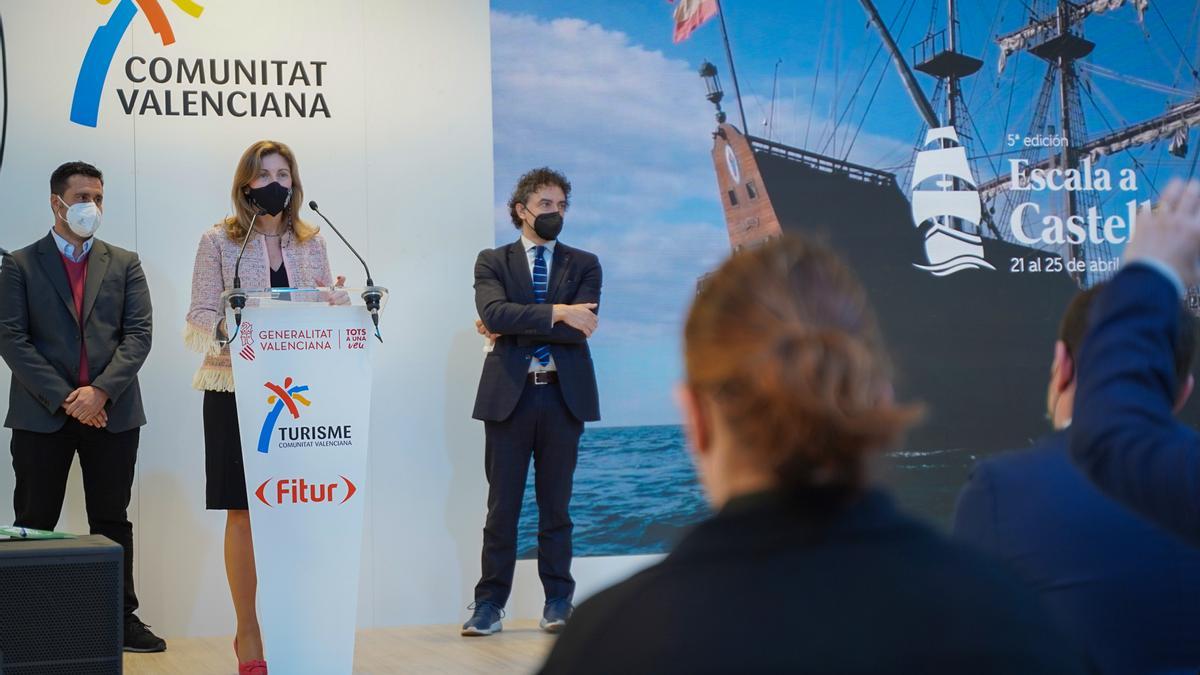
(1125, 435)
(1127, 591)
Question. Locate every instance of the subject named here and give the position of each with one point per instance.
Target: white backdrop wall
(403, 163)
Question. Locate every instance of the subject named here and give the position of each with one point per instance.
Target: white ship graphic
(949, 249)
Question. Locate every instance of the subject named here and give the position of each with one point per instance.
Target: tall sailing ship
(969, 308)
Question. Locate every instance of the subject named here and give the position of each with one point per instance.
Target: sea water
(636, 491)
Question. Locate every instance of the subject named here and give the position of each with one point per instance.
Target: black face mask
(548, 225)
(272, 198)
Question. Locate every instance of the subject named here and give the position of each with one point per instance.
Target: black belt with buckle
(541, 377)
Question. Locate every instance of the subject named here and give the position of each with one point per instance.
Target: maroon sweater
(77, 277)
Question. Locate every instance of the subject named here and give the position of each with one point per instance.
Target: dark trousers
(42, 462)
(543, 428)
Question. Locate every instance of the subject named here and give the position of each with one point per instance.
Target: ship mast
(952, 90)
(1063, 51)
(1052, 39)
(946, 63)
(910, 82)
(937, 55)
(737, 92)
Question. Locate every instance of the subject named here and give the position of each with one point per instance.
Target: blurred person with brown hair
(805, 567)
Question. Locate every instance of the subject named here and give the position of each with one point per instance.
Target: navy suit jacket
(766, 587)
(1124, 434)
(1127, 591)
(504, 299)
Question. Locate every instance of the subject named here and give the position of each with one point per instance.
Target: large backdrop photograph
(973, 179)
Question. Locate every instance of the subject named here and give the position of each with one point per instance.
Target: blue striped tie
(541, 282)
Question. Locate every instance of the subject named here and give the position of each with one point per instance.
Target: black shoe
(555, 615)
(138, 637)
(485, 620)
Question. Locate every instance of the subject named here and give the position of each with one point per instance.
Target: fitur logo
(948, 248)
(296, 491)
(286, 396)
(85, 106)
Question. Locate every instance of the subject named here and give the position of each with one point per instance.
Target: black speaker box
(60, 606)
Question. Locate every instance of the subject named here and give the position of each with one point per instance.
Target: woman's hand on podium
(339, 297)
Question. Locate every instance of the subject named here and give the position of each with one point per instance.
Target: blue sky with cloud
(599, 90)
(630, 127)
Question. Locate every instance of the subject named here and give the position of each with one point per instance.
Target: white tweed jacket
(307, 265)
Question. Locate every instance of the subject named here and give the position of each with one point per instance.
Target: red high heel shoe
(251, 667)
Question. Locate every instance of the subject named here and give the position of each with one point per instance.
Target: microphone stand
(372, 295)
(237, 297)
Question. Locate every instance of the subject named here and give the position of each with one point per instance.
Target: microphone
(372, 295)
(237, 298)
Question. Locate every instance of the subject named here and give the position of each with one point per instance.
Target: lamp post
(712, 85)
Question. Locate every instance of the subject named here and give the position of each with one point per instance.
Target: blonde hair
(247, 170)
(784, 342)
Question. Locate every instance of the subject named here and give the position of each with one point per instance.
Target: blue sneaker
(485, 620)
(555, 615)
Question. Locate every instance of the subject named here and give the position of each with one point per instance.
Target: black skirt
(226, 477)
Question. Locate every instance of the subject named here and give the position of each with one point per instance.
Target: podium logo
(288, 491)
(89, 85)
(283, 397)
(247, 334)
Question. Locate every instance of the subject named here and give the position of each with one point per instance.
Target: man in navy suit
(1125, 436)
(537, 300)
(1127, 591)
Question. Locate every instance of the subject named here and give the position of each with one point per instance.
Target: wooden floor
(520, 648)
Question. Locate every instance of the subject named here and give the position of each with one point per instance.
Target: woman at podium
(281, 250)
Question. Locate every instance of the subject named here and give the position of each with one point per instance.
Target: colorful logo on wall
(85, 106)
(281, 397)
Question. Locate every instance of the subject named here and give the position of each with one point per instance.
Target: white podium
(301, 369)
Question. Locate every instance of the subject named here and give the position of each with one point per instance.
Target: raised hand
(1170, 232)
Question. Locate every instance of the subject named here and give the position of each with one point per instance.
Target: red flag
(689, 14)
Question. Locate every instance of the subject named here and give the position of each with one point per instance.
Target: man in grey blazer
(75, 324)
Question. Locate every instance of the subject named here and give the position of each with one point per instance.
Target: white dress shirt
(68, 249)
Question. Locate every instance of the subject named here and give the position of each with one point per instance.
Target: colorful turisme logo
(287, 491)
(85, 106)
(281, 397)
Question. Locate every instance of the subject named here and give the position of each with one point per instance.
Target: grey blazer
(39, 334)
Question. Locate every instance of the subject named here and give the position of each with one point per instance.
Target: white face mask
(83, 218)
